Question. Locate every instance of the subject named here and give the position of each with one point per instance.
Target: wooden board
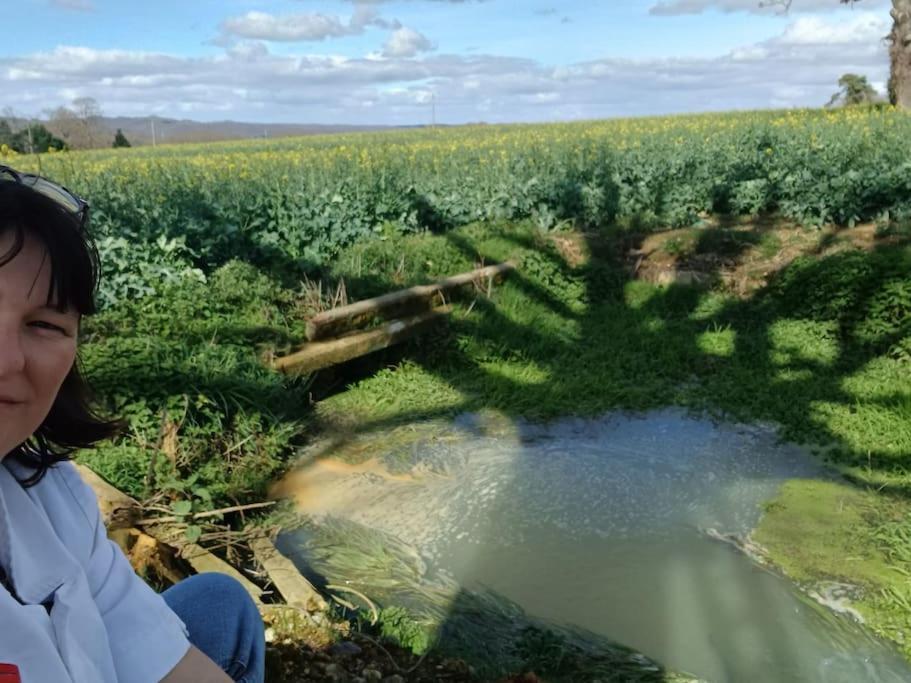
(322, 354)
(112, 502)
(294, 587)
(345, 318)
(199, 558)
(117, 508)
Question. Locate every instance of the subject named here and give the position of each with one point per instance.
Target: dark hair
(71, 423)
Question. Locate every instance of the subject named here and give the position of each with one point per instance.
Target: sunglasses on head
(69, 201)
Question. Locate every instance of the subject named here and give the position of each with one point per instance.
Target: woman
(71, 607)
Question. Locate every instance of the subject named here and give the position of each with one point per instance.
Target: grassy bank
(822, 349)
(816, 342)
(810, 330)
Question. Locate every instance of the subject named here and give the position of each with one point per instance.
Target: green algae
(819, 532)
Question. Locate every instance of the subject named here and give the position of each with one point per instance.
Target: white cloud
(863, 28)
(308, 27)
(799, 67)
(248, 50)
(291, 28)
(406, 42)
(672, 7)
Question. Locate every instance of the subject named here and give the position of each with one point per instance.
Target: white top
(106, 624)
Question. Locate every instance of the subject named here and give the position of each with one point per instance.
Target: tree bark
(900, 54)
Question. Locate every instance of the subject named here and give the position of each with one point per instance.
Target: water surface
(609, 526)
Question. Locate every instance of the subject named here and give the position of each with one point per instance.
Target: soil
(359, 662)
(741, 255)
(362, 660)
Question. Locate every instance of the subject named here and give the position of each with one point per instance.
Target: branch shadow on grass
(581, 337)
(776, 356)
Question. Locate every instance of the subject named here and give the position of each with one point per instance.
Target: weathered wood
(345, 318)
(113, 503)
(322, 354)
(201, 559)
(144, 552)
(118, 510)
(294, 587)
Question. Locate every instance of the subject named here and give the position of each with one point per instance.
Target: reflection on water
(598, 525)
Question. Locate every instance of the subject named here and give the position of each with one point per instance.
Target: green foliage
(544, 652)
(814, 525)
(867, 295)
(35, 138)
(888, 315)
(189, 357)
(120, 140)
(825, 290)
(854, 90)
(817, 351)
(128, 275)
(6, 134)
(399, 625)
(294, 206)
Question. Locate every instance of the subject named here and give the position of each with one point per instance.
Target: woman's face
(37, 343)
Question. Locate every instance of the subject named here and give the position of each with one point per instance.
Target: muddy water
(615, 527)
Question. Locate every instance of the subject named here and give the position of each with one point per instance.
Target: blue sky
(353, 61)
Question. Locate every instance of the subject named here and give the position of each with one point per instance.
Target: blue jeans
(223, 622)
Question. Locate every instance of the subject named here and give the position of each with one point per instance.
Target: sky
(408, 62)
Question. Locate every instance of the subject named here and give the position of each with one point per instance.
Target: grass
(829, 531)
(820, 350)
(582, 339)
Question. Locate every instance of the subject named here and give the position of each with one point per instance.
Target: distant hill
(138, 130)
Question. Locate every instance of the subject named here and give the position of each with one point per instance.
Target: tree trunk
(900, 54)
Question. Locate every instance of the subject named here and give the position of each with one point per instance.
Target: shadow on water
(575, 536)
(632, 347)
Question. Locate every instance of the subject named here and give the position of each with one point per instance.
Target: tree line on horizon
(78, 126)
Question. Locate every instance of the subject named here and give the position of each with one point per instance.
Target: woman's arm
(195, 667)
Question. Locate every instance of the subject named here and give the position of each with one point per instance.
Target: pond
(629, 530)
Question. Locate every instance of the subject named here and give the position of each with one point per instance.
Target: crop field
(292, 205)
(212, 254)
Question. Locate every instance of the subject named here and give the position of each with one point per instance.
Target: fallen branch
(203, 515)
(201, 559)
(345, 589)
(322, 354)
(145, 551)
(118, 510)
(338, 320)
(112, 502)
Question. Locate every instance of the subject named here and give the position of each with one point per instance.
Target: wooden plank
(294, 587)
(322, 354)
(333, 322)
(199, 558)
(112, 502)
(144, 551)
(118, 510)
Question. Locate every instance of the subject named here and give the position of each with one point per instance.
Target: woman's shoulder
(66, 491)
(68, 503)
(55, 513)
